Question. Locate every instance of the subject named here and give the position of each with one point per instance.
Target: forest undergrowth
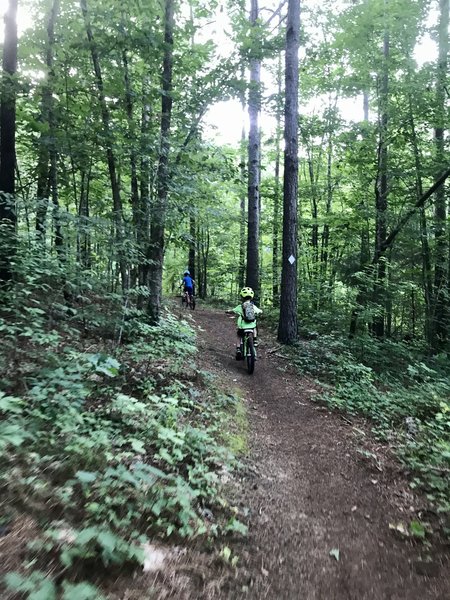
(110, 434)
(404, 391)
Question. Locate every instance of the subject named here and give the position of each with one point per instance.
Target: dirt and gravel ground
(311, 489)
(320, 507)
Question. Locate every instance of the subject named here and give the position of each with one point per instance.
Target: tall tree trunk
(84, 242)
(242, 205)
(364, 245)
(192, 244)
(111, 158)
(131, 135)
(158, 217)
(204, 260)
(8, 217)
(199, 269)
(287, 327)
(276, 195)
(144, 221)
(58, 239)
(326, 227)
(441, 302)
(254, 107)
(47, 138)
(381, 196)
(426, 255)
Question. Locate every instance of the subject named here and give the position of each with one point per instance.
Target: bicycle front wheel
(250, 355)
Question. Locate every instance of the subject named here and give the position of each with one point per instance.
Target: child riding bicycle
(246, 313)
(188, 285)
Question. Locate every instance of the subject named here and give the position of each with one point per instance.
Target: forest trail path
(310, 490)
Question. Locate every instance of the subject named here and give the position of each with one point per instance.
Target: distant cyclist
(188, 285)
(246, 312)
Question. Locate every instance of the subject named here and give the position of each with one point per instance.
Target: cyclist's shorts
(189, 290)
(240, 332)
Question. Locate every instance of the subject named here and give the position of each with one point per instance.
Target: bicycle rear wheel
(250, 355)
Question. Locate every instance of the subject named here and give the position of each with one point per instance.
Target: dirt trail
(311, 490)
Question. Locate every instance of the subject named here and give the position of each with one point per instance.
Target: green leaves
(37, 585)
(86, 476)
(417, 529)
(104, 364)
(81, 591)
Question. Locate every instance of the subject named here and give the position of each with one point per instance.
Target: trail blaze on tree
(287, 327)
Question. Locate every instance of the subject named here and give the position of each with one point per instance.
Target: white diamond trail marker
(291, 259)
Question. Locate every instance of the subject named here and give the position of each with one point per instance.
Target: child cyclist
(188, 284)
(246, 313)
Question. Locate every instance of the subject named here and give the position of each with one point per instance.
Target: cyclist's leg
(239, 335)
(189, 296)
(253, 344)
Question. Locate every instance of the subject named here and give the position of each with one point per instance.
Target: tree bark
(84, 242)
(46, 141)
(426, 254)
(381, 196)
(276, 195)
(364, 245)
(287, 327)
(242, 204)
(144, 224)
(441, 303)
(158, 217)
(8, 217)
(192, 244)
(111, 158)
(134, 184)
(254, 107)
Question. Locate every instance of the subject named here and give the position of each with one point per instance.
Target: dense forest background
(116, 171)
(113, 182)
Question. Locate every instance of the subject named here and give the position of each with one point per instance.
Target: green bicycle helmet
(247, 292)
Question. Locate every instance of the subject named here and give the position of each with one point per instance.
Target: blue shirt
(188, 281)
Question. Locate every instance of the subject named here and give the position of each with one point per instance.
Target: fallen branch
(273, 349)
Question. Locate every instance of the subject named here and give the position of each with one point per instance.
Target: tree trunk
(254, 104)
(364, 245)
(287, 327)
(84, 242)
(144, 221)
(192, 245)
(131, 136)
(8, 217)
(326, 227)
(158, 217)
(441, 304)
(381, 196)
(242, 205)
(47, 138)
(426, 255)
(111, 158)
(276, 198)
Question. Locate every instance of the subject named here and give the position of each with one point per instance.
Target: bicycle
(188, 300)
(248, 352)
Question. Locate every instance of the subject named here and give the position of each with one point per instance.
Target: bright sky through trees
(224, 119)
